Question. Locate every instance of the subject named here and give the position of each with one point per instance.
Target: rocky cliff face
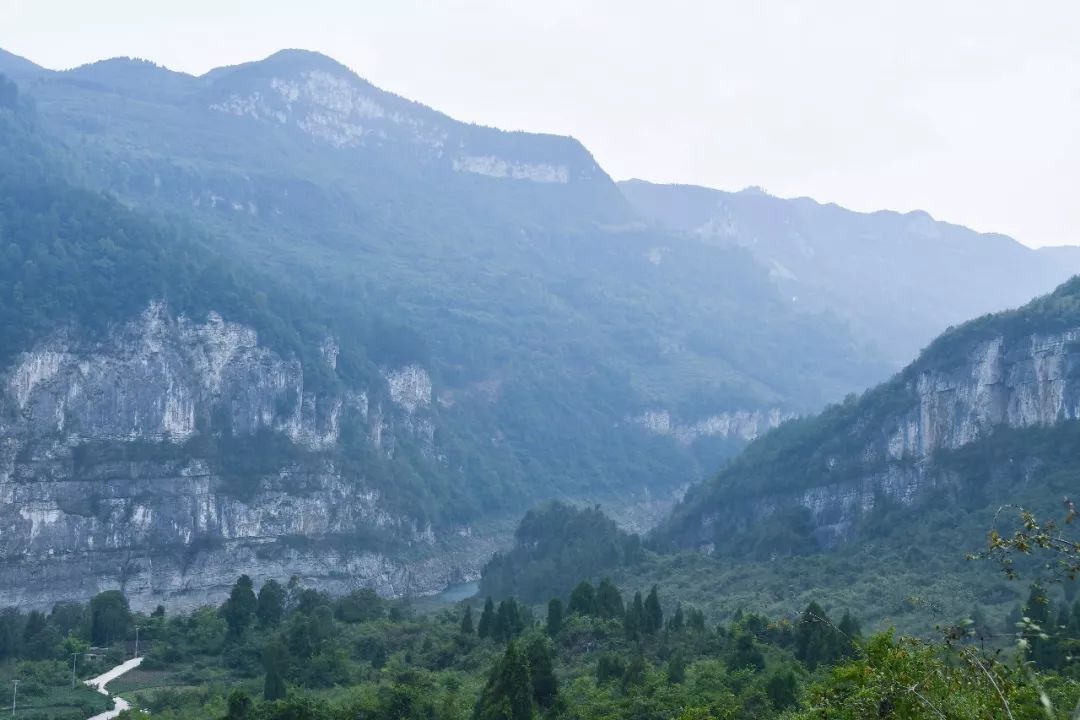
(330, 104)
(109, 475)
(833, 470)
(1018, 383)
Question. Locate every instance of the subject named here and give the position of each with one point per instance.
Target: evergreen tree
(509, 620)
(634, 618)
(678, 620)
(782, 689)
(653, 618)
(276, 665)
(554, 617)
(360, 606)
(466, 621)
(541, 669)
(850, 633)
(487, 620)
(609, 667)
(240, 608)
(39, 638)
(745, 652)
(817, 642)
(676, 669)
(636, 671)
(508, 694)
(609, 602)
(583, 599)
(110, 617)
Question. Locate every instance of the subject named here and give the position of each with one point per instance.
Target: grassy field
(45, 692)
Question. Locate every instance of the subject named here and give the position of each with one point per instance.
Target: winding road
(99, 683)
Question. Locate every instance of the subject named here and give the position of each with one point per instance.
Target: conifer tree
(276, 664)
(745, 652)
(635, 616)
(817, 642)
(240, 608)
(678, 620)
(583, 599)
(271, 604)
(487, 620)
(554, 617)
(635, 671)
(467, 622)
(542, 671)
(508, 694)
(676, 669)
(653, 618)
(509, 620)
(609, 602)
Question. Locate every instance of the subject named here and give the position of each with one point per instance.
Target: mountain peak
(15, 66)
(303, 60)
(285, 62)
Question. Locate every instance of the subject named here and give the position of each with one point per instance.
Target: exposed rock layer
(103, 482)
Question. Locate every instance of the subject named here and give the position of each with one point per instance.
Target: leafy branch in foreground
(1033, 535)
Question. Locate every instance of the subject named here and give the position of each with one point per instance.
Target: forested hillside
(285, 652)
(363, 334)
(307, 288)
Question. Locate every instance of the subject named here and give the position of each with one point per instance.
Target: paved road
(99, 683)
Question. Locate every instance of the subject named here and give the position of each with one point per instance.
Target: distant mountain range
(898, 279)
(276, 317)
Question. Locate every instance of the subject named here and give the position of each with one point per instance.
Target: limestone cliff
(1014, 370)
(117, 469)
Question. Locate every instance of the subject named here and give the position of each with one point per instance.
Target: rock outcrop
(117, 469)
(1018, 370)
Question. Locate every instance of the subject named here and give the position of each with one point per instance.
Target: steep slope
(586, 354)
(167, 416)
(988, 414)
(16, 67)
(900, 279)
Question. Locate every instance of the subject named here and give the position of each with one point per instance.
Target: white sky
(969, 109)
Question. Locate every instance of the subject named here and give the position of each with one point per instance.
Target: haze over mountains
(898, 279)
(376, 335)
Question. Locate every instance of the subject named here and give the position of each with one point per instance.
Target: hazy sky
(967, 109)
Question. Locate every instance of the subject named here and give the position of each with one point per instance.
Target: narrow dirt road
(99, 683)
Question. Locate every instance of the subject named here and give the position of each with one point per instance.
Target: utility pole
(14, 697)
(74, 657)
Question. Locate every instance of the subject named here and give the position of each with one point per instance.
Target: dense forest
(598, 649)
(286, 652)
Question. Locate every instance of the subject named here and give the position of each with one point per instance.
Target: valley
(347, 408)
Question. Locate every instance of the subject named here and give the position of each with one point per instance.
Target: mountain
(168, 415)
(16, 67)
(898, 279)
(989, 414)
(368, 337)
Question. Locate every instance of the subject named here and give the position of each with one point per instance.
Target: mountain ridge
(489, 331)
(898, 444)
(899, 278)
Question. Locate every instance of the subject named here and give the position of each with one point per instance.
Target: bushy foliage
(555, 542)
